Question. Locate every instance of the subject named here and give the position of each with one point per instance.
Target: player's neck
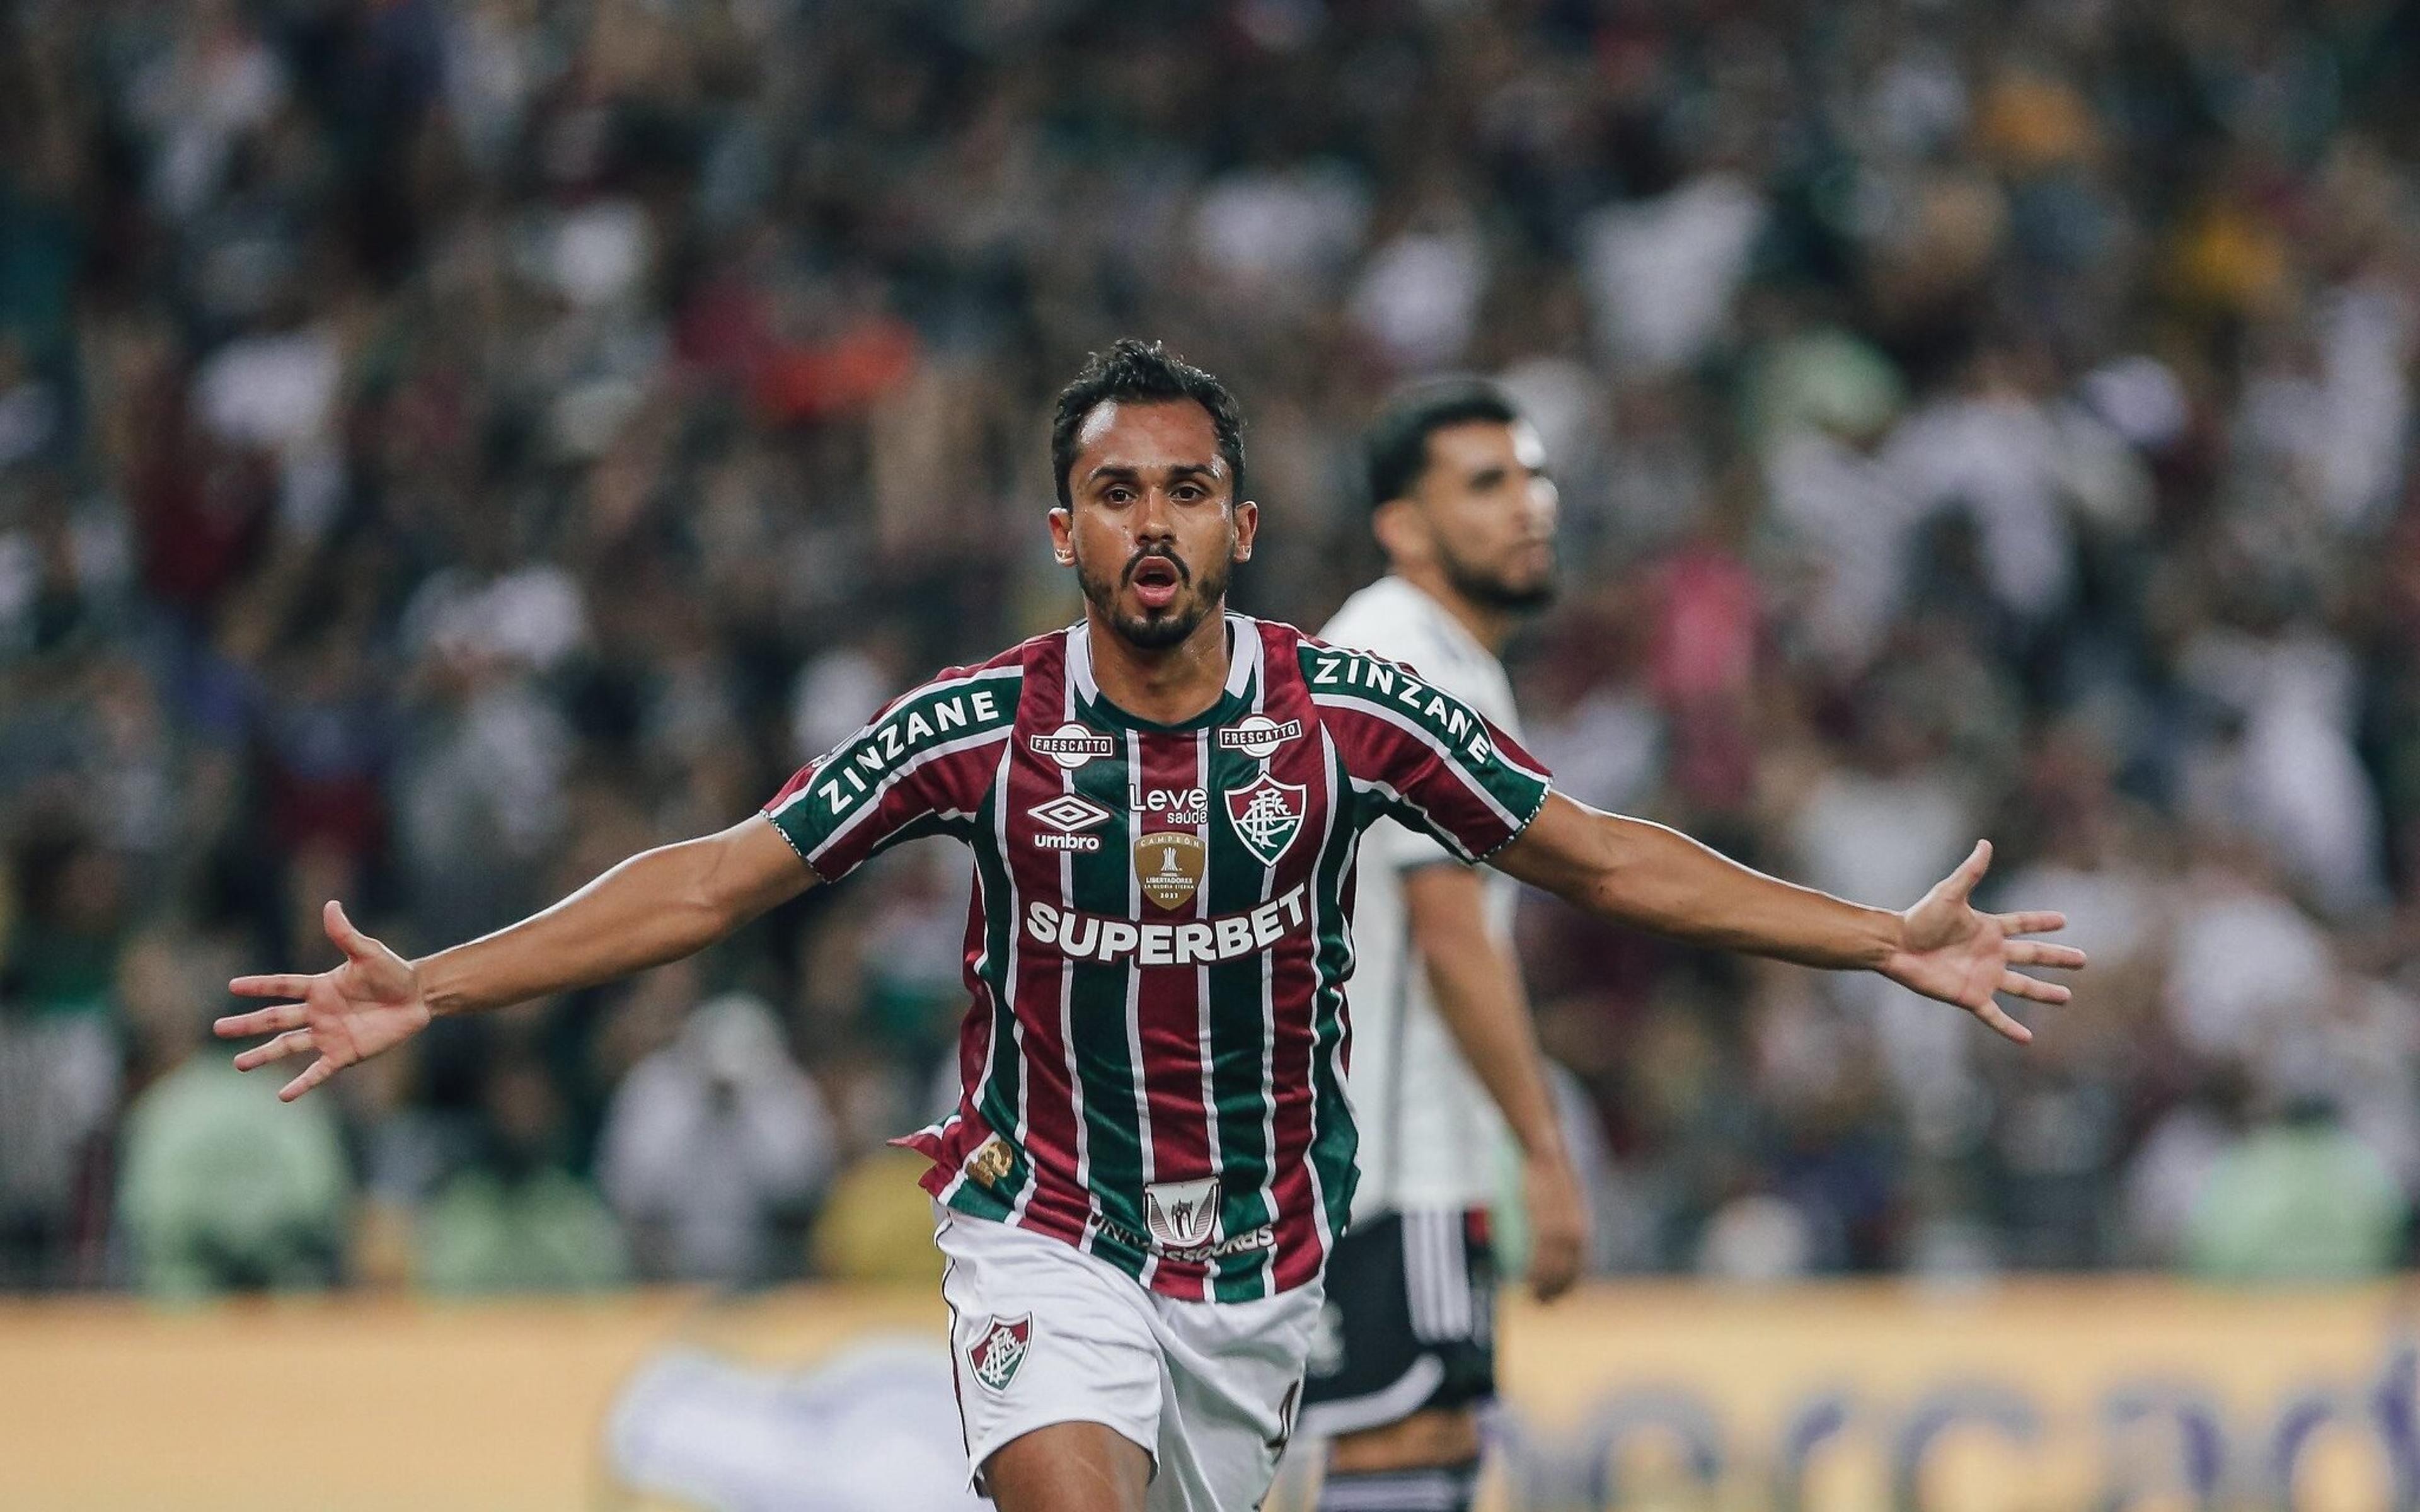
(1168, 686)
(1490, 627)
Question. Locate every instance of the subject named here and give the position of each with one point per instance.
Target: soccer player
(1153, 1151)
(1466, 518)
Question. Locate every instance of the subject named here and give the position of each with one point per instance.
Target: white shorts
(1042, 1333)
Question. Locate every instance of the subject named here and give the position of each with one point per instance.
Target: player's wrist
(1885, 945)
(1543, 1150)
(439, 990)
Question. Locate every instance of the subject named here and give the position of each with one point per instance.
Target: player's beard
(1490, 589)
(1195, 600)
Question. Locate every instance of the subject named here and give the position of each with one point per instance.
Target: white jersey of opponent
(1430, 1137)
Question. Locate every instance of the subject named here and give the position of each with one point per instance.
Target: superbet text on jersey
(1158, 941)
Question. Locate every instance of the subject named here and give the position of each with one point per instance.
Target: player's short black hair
(1144, 371)
(1397, 445)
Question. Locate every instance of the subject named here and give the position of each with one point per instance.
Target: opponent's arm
(1658, 879)
(1479, 994)
(656, 906)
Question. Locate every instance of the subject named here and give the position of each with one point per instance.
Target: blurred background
(446, 445)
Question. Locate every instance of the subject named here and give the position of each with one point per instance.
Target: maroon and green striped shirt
(1160, 938)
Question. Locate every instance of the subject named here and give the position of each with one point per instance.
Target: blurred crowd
(447, 445)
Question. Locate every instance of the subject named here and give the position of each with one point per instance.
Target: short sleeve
(1416, 753)
(919, 767)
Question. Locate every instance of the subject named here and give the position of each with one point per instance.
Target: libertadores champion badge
(994, 1357)
(1267, 813)
(1169, 864)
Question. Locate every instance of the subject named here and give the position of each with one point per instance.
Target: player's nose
(1157, 520)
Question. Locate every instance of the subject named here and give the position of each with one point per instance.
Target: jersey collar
(1244, 653)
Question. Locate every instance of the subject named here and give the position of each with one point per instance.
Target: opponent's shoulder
(1376, 616)
(1398, 621)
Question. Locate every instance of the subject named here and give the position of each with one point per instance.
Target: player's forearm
(1478, 993)
(1659, 879)
(658, 906)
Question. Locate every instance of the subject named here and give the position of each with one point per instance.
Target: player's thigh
(1234, 1384)
(1433, 1436)
(1069, 1467)
(1041, 1334)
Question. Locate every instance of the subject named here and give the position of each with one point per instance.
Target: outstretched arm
(1658, 879)
(1478, 995)
(656, 906)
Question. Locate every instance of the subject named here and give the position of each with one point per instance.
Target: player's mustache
(1184, 574)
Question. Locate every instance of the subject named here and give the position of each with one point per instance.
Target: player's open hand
(371, 1003)
(1558, 1224)
(1951, 951)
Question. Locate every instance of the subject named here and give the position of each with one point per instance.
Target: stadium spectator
(517, 1220)
(717, 1147)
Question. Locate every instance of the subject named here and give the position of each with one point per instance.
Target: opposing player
(1406, 1350)
(1153, 1153)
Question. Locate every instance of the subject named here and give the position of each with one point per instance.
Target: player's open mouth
(1157, 581)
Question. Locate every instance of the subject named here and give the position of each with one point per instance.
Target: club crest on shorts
(1169, 863)
(994, 1357)
(1182, 1216)
(1266, 814)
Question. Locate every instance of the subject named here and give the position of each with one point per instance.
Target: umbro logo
(1066, 814)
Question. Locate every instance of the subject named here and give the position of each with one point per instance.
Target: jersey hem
(1546, 791)
(813, 870)
(1199, 1295)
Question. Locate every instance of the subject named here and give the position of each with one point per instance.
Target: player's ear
(1062, 535)
(1247, 527)
(1401, 533)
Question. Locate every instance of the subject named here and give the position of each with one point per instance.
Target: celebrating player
(1467, 518)
(1152, 1154)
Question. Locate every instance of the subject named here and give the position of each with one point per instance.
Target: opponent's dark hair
(1397, 444)
(1133, 370)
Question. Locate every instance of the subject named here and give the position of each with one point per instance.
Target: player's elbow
(710, 897)
(1616, 873)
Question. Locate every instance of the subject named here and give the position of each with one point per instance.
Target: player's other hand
(1558, 1224)
(371, 1003)
(1949, 950)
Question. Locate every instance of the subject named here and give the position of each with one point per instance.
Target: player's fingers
(2040, 953)
(1970, 870)
(340, 928)
(1991, 1013)
(2017, 984)
(1554, 1268)
(293, 1041)
(313, 1074)
(281, 986)
(259, 1021)
(2041, 921)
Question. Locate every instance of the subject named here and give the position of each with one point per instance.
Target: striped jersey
(1152, 1064)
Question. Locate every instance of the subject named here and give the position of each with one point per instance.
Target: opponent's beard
(1491, 591)
(1156, 632)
